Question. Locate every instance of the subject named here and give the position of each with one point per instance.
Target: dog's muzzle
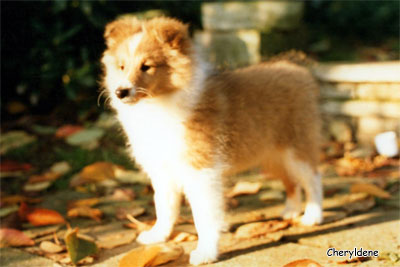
(124, 93)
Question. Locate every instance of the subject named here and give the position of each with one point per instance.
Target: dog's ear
(120, 29)
(173, 32)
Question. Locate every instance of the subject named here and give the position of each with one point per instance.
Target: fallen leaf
(154, 255)
(78, 247)
(244, 188)
(136, 224)
(303, 263)
(140, 257)
(85, 211)
(39, 216)
(113, 240)
(61, 167)
(35, 187)
(167, 253)
(370, 189)
(98, 171)
(122, 194)
(88, 202)
(255, 229)
(360, 205)
(87, 138)
(135, 211)
(47, 176)
(13, 166)
(8, 210)
(67, 130)
(44, 129)
(131, 177)
(14, 238)
(16, 199)
(42, 231)
(50, 247)
(179, 237)
(14, 139)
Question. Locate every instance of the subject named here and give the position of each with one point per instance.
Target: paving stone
(11, 257)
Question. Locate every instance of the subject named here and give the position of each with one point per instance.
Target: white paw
(202, 256)
(151, 237)
(312, 215)
(291, 211)
(289, 214)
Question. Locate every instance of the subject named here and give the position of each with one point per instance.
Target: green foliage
(51, 49)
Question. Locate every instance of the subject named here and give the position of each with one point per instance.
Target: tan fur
(253, 114)
(188, 128)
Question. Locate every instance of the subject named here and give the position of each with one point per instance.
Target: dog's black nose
(122, 92)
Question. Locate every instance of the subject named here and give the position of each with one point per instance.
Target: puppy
(188, 127)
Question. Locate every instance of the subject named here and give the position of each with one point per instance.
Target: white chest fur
(155, 131)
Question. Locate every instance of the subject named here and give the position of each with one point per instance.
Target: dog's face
(146, 59)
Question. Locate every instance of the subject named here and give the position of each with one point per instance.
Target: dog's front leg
(167, 199)
(204, 191)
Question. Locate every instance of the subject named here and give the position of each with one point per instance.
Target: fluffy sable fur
(188, 128)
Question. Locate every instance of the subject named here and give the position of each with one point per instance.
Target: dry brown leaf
(116, 239)
(50, 247)
(255, 229)
(14, 238)
(85, 211)
(88, 202)
(67, 130)
(303, 263)
(179, 237)
(167, 253)
(136, 224)
(44, 177)
(98, 171)
(15, 199)
(140, 256)
(39, 216)
(370, 189)
(360, 205)
(122, 194)
(244, 188)
(121, 213)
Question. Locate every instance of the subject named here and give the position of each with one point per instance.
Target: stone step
(360, 108)
(376, 72)
(367, 91)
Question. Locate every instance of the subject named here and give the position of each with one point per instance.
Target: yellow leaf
(140, 256)
(303, 263)
(370, 189)
(254, 229)
(167, 253)
(98, 171)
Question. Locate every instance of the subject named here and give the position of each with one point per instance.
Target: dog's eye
(121, 67)
(144, 67)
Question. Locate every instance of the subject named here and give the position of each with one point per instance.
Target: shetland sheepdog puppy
(188, 126)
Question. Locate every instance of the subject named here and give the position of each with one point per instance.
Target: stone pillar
(233, 31)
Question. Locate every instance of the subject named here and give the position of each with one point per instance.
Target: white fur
(311, 183)
(155, 130)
